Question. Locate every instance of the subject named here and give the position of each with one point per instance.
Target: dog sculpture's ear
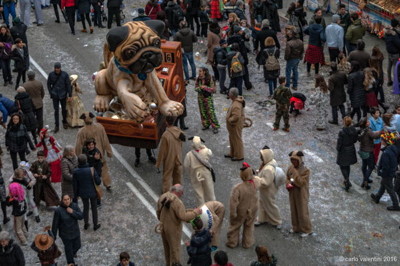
(83, 116)
(116, 36)
(156, 25)
(91, 115)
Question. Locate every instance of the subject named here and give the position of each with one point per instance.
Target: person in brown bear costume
(217, 210)
(171, 213)
(96, 131)
(170, 154)
(297, 183)
(243, 207)
(234, 124)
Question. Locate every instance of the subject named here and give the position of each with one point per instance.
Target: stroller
(297, 103)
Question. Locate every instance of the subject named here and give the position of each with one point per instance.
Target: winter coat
(240, 39)
(294, 49)
(11, 255)
(169, 10)
(376, 125)
(67, 168)
(355, 32)
(7, 107)
(18, 207)
(187, 37)
(274, 51)
(83, 6)
(114, 3)
(392, 41)
(361, 57)
(345, 21)
(18, 30)
(36, 91)
(17, 138)
(345, 146)
(336, 84)
(366, 139)
(5, 51)
(59, 86)
(263, 35)
(24, 103)
(317, 34)
(199, 249)
(151, 10)
(84, 181)
(388, 163)
(67, 223)
(355, 89)
(193, 7)
(270, 12)
(212, 43)
(220, 56)
(229, 57)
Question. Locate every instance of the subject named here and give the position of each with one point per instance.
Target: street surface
(349, 228)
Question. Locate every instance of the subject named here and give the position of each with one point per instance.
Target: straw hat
(43, 241)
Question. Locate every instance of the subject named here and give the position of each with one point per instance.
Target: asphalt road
(344, 223)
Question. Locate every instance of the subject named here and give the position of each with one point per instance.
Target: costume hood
(176, 132)
(241, 100)
(246, 173)
(168, 199)
(297, 155)
(197, 143)
(87, 117)
(267, 155)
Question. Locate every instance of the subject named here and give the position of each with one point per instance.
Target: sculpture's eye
(157, 43)
(128, 54)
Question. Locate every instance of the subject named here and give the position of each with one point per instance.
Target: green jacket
(282, 96)
(355, 32)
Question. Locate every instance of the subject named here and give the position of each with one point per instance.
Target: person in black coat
(59, 87)
(270, 76)
(84, 11)
(24, 104)
(346, 150)
(221, 61)
(6, 42)
(57, 4)
(17, 139)
(65, 222)
(98, 18)
(20, 55)
(387, 170)
(262, 35)
(10, 252)
(356, 91)
(337, 95)
(192, 13)
(18, 30)
(270, 12)
(199, 248)
(114, 9)
(84, 180)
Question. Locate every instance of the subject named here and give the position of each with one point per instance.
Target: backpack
(280, 177)
(177, 15)
(236, 66)
(272, 62)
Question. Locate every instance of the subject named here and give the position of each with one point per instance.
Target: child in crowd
(320, 98)
(43, 190)
(199, 248)
(124, 260)
(282, 97)
(221, 259)
(16, 199)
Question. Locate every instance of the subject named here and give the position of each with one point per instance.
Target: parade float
(141, 83)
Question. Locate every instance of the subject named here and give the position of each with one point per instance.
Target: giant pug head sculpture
(131, 54)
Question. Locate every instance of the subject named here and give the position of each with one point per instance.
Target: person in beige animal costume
(171, 213)
(297, 183)
(131, 54)
(243, 207)
(268, 211)
(95, 131)
(197, 164)
(217, 210)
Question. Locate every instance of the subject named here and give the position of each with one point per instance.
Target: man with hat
(243, 205)
(59, 87)
(46, 248)
(141, 16)
(221, 61)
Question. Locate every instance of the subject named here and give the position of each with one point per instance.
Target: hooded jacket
(267, 172)
(11, 255)
(388, 163)
(170, 150)
(392, 41)
(300, 175)
(316, 33)
(355, 32)
(187, 37)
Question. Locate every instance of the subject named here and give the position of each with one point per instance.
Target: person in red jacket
(69, 6)
(152, 9)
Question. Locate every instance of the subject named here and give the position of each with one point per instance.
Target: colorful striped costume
(206, 103)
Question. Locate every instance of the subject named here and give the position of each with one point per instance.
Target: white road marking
(133, 173)
(314, 156)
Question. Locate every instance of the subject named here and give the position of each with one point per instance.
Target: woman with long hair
(233, 20)
(271, 73)
(376, 63)
(370, 86)
(6, 42)
(205, 87)
(321, 101)
(346, 150)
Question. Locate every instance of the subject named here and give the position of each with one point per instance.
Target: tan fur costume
(200, 175)
(96, 131)
(170, 157)
(130, 55)
(299, 195)
(243, 207)
(171, 213)
(217, 210)
(234, 124)
(268, 210)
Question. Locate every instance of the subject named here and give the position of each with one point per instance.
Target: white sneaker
(305, 234)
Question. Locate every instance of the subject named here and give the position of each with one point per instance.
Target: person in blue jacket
(7, 107)
(198, 249)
